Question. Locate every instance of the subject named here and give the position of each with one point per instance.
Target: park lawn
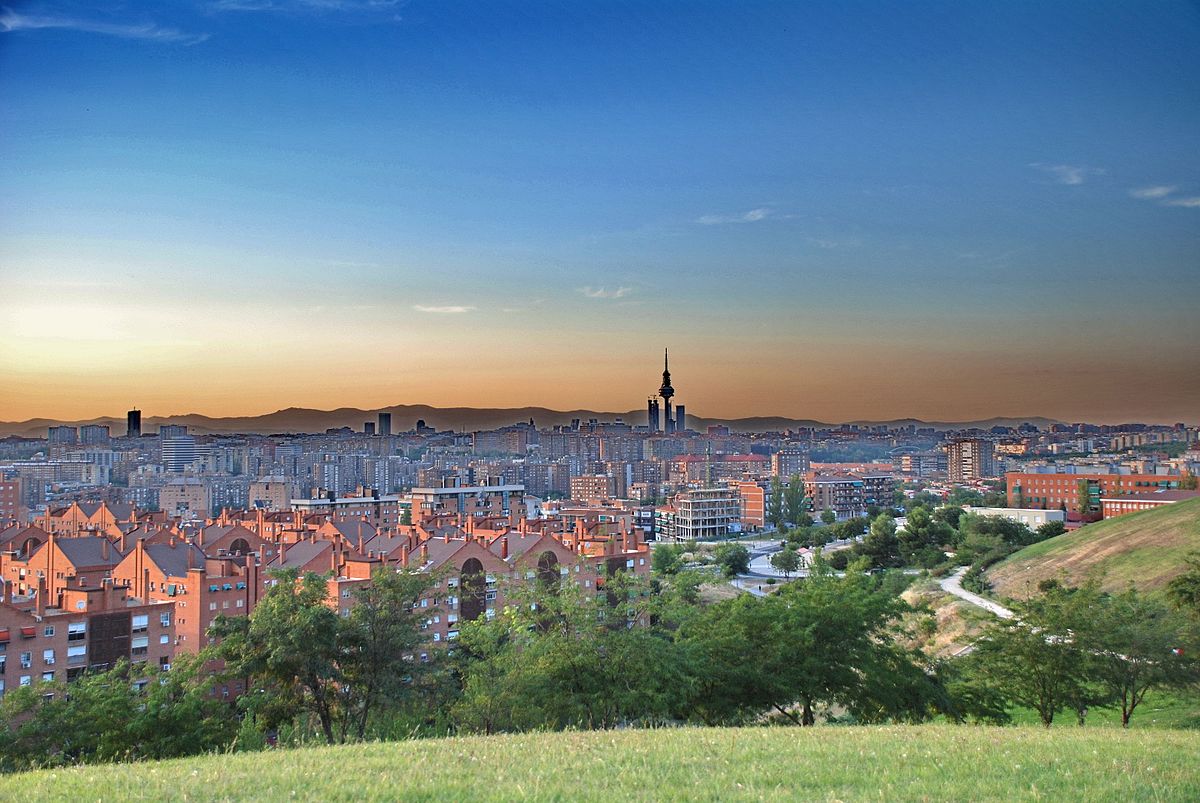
(928, 762)
(1164, 709)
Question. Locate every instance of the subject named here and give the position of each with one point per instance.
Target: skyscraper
(133, 424)
(654, 423)
(385, 424)
(970, 459)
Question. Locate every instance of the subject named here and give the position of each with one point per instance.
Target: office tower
(680, 419)
(368, 427)
(178, 451)
(172, 430)
(133, 424)
(385, 424)
(654, 424)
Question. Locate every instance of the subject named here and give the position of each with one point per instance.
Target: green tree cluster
(300, 660)
(124, 714)
(1072, 649)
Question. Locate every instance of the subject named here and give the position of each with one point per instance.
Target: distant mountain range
(463, 419)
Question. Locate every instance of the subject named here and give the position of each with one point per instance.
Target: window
(48, 631)
(241, 603)
(212, 606)
(76, 652)
(139, 646)
(76, 631)
(26, 660)
(164, 619)
(47, 657)
(47, 677)
(25, 680)
(141, 623)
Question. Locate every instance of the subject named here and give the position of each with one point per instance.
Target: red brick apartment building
(11, 511)
(46, 638)
(1132, 503)
(84, 601)
(1030, 489)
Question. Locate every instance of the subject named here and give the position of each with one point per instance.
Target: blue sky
(831, 210)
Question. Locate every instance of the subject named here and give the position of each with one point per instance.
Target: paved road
(953, 585)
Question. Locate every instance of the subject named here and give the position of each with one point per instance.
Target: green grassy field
(827, 763)
(1158, 710)
(1146, 549)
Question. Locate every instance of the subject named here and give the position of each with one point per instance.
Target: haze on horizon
(834, 211)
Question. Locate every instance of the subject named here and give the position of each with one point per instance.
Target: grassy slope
(958, 623)
(1144, 548)
(894, 763)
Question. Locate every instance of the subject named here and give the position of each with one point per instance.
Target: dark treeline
(829, 647)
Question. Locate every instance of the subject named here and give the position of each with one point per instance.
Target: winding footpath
(953, 585)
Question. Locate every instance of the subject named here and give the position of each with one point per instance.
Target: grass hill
(852, 763)
(1144, 548)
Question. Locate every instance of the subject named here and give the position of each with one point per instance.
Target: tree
(775, 505)
(820, 640)
(302, 660)
(129, 712)
(1036, 658)
(1184, 590)
(571, 660)
(734, 559)
(795, 503)
(1137, 645)
(287, 649)
(667, 559)
(786, 560)
(1051, 529)
(379, 644)
(881, 547)
(1083, 501)
(828, 516)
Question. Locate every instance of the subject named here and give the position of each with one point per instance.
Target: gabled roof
(87, 552)
(18, 533)
(173, 560)
(298, 555)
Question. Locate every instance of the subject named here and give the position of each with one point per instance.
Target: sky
(830, 210)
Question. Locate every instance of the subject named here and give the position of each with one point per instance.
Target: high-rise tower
(666, 392)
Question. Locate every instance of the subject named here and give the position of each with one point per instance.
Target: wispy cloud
(1071, 175)
(11, 21)
(604, 292)
(753, 216)
(1164, 194)
(450, 309)
(1153, 193)
(294, 6)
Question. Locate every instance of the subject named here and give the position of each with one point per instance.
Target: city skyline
(835, 212)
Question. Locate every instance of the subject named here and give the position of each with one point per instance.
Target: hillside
(1144, 548)
(888, 763)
